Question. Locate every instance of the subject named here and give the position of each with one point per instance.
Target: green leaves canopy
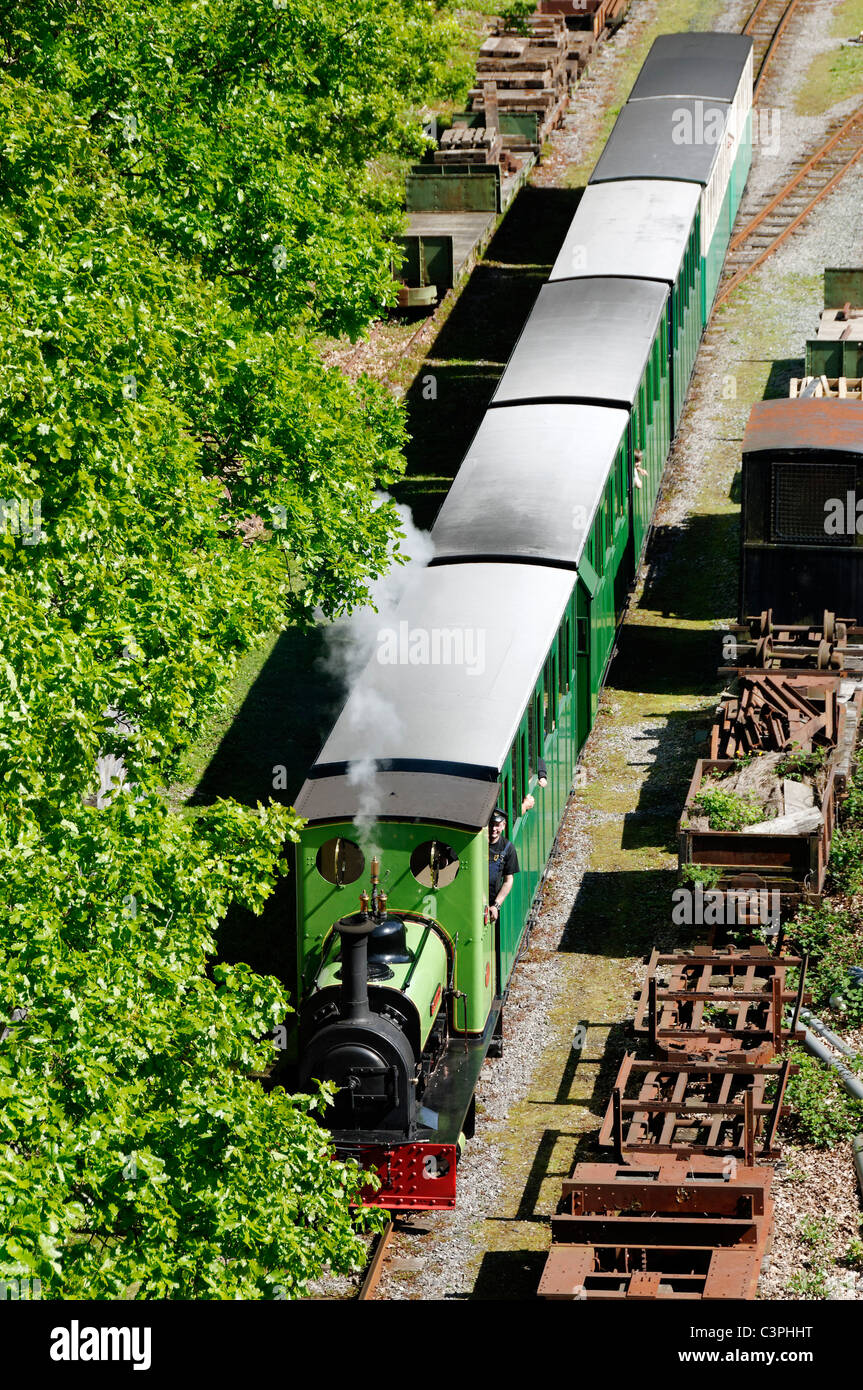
(191, 194)
(136, 1155)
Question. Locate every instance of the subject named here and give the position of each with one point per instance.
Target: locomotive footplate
(420, 1174)
(447, 1105)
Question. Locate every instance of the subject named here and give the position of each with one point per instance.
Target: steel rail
(739, 276)
(789, 187)
(778, 30)
(373, 1273)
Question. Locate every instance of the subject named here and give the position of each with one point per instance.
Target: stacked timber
(586, 21)
(524, 73)
(576, 10)
(772, 714)
(469, 145)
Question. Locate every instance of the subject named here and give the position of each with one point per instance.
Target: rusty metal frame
(674, 1230)
(727, 1099)
(672, 1015)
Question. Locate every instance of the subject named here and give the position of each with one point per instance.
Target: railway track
(372, 1276)
(780, 215)
(765, 27)
(814, 176)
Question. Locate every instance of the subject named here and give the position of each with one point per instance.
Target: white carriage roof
(451, 671)
(637, 227)
(585, 340)
(530, 484)
(693, 65)
(676, 138)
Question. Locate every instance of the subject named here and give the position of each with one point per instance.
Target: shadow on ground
(449, 396)
(279, 728)
(693, 568)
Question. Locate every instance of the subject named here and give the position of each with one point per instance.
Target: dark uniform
(502, 861)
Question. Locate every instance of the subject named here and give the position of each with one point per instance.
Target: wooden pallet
(839, 387)
(469, 145)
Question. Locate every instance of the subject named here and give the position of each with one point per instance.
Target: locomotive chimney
(354, 934)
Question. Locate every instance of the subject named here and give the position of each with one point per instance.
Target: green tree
(187, 203)
(246, 132)
(138, 1155)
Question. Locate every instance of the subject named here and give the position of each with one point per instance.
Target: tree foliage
(138, 1157)
(191, 194)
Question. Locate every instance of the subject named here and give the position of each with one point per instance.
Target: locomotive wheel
(829, 626)
(766, 621)
(764, 651)
(824, 654)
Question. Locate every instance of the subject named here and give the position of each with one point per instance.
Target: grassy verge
(831, 934)
(838, 74)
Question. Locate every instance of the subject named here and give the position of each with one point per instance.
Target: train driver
(502, 863)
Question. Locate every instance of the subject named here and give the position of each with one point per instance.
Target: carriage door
(582, 666)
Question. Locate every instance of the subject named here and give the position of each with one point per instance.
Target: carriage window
(506, 798)
(581, 636)
(619, 466)
(550, 712)
(537, 745)
(598, 546)
(518, 774)
(565, 656)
